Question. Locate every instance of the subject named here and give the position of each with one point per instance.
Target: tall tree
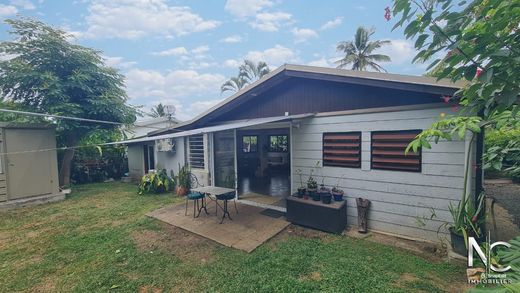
(360, 52)
(252, 71)
(233, 84)
(248, 72)
(48, 74)
(158, 111)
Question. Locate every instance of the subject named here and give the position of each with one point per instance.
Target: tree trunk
(66, 164)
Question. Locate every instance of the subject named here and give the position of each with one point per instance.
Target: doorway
(263, 165)
(149, 158)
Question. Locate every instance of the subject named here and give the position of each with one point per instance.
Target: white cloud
(322, 62)
(246, 8)
(131, 19)
(274, 56)
(148, 87)
(400, 51)
(118, 62)
(332, 23)
(201, 106)
(177, 51)
(271, 21)
(24, 4)
(200, 50)
(232, 39)
(232, 63)
(7, 10)
(303, 34)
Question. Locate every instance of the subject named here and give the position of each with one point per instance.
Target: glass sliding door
(224, 154)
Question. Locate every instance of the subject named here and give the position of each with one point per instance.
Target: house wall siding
(172, 160)
(135, 161)
(398, 198)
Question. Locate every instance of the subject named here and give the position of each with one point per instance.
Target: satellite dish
(170, 110)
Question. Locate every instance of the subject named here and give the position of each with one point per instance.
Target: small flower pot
(181, 191)
(338, 196)
(326, 198)
(313, 194)
(325, 195)
(458, 245)
(301, 192)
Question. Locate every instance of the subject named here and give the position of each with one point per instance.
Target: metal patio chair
(195, 197)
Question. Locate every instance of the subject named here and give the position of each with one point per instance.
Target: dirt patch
(48, 285)
(299, 231)
(313, 276)
(507, 196)
(183, 244)
(407, 279)
(150, 289)
(433, 252)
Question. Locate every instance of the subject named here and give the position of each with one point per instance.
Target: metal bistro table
(217, 193)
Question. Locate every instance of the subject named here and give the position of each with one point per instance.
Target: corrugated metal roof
(220, 127)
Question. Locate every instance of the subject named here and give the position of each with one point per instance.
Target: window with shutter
(342, 149)
(196, 147)
(388, 148)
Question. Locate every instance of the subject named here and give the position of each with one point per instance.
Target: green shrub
(502, 154)
(184, 177)
(156, 182)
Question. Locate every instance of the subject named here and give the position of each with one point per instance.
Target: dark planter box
(315, 214)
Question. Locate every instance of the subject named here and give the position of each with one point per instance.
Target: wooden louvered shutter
(342, 149)
(388, 151)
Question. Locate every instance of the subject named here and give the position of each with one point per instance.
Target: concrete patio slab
(248, 229)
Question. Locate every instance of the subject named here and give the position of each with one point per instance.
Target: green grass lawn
(99, 239)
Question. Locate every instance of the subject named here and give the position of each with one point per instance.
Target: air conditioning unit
(165, 145)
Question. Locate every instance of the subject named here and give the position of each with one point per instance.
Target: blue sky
(180, 52)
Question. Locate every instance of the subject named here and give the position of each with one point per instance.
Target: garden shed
(28, 164)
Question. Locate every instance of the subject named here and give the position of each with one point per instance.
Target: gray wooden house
(349, 128)
(25, 174)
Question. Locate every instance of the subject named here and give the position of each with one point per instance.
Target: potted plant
(467, 222)
(324, 193)
(301, 189)
(312, 187)
(336, 192)
(183, 180)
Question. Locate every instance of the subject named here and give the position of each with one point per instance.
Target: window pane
(279, 143)
(249, 143)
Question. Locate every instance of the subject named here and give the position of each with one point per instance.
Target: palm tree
(233, 84)
(158, 111)
(252, 72)
(359, 52)
(248, 73)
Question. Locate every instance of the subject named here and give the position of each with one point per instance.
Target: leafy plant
(156, 182)
(184, 177)
(300, 173)
(311, 182)
(336, 188)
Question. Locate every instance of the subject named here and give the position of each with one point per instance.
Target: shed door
(28, 174)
